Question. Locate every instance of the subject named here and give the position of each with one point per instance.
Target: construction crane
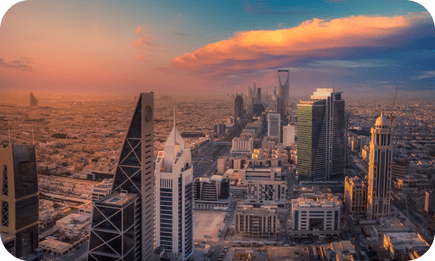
(392, 107)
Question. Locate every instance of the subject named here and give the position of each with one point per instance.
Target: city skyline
(138, 44)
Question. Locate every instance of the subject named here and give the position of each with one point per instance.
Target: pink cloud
(319, 38)
(141, 57)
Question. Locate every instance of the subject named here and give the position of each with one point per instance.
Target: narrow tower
(174, 199)
(381, 157)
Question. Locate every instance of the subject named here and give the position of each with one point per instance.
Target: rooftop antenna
(392, 107)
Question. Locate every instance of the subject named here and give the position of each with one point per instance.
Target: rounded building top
(382, 120)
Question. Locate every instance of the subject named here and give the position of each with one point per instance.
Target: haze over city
(222, 131)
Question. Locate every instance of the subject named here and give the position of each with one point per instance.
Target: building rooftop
(118, 199)
(407, 240)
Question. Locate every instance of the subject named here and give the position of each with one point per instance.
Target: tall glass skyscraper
(123, 222)
(321, 143)
(19, 199)
(282, 98)
(174, 199)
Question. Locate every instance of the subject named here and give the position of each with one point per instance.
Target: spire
(175, 134)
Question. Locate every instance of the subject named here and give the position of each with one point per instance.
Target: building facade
(19, 199)
(288, 135)
(381, 157)
(321, 139)
(256, 222)
(429, 200)
(211, 193)
(243, 145)
(174, 199)
(264, 192)
(316, 217)
(132, 197)
(355, 195)
(282, 98)
(273, 124)
(238, 113)
(400, 168)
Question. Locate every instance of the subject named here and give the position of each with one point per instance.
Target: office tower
(273, 124)
(33, 100)
(238, 107)
(401, 168)
(282, 99)
(174, 199)
(429, 200)
(259, 94)
(19, 199)
(274, 93)
(355, 195)
(254, 92)
(381, 157)
(243, 145)
(219, 129)
(288, 135)
(123, 221)
(321, 129)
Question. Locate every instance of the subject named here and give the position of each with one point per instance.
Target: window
(5, 190)
(5, 213)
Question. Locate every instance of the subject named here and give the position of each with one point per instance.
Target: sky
(217, 47)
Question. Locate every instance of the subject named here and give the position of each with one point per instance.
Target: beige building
(259, 222)
(243, 145)
(260, 192)
(355, 195)
(429, 200)
(399, 245)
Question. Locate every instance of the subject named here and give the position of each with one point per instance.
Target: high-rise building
(288, 135)
(174, 199)
(355, 195)
(282, 98)
(238, 107)
(259, 94)
(273, 124)
(243, 145)
(381, 158)
(400, 168)
(321, 129)
(123, 222)
(19, 199)
(429, 200)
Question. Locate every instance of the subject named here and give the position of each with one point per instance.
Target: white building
(102, 189)
(273, 124)
(289, 135)
(259, 222)
(174, 199)
(243, 145)
(319, 217)
(380, 164)
(264, 192)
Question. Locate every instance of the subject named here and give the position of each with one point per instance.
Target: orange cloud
(319, 38)
(141, 42)
(141, 57)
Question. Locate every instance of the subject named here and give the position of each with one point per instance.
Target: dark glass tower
(123, 222)
(321, 144)
(238, 107)
(19, 198)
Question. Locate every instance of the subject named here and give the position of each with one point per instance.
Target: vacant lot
(206, 225)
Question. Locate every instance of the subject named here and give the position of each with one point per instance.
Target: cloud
(145, 35)
(425, 75)
(22, 65)
(317, 39)
(141, 57)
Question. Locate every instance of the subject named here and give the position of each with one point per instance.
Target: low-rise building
(262, 192)
(355, 195)
(211, 193)
(411, 182)
(74, 224)
(400, 244)
(256, 222)
(102, 189)
(243, 145)
(316, 216)
(429, 200)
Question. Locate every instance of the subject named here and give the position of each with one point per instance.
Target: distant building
(400, 168)
(256, 222)
(321, 131)
(238, 113)
(366, 153)
(273, 124)
(123, 222)
(33, 100)
(265, 192)
(429, 200)
(211, 193)
(381, 157)
(355, 195)
(19, 199)
(400, 245)
(101, 190)
(316, 217)
(219, 129)
(243, 145)
(259, 94)
(174, 199)
(411, 182)
(282, 98)
(288, 135)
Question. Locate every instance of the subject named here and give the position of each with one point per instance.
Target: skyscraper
(19, 198)
(259, 94)
(273, 124)
(238, 106)
(174, 199)
(380, 163)
(321, 144)
(123, 222)
(282, 99)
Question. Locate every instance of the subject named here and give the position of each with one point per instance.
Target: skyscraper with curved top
(123, 222)
(282, 99)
